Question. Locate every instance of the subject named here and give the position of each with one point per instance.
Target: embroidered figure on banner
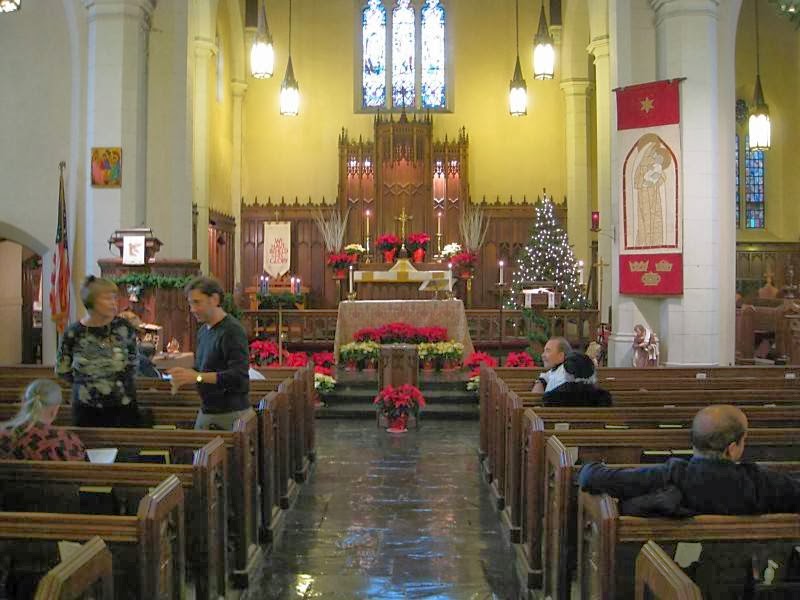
(650, 178)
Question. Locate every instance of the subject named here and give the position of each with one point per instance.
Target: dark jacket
(700, 485)
(223, 349)
(575, 393)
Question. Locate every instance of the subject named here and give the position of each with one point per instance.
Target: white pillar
(238, 89)
(579, 206)
(687, 46)
(116, 115)
(11, 303)
(204, 49)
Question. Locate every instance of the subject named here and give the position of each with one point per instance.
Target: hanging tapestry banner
(651, 229)
(277, 247)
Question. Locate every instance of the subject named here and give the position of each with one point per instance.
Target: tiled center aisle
(391, 516)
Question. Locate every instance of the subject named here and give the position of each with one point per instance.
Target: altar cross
(403, 218)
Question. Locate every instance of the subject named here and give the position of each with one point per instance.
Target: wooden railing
(311, 329)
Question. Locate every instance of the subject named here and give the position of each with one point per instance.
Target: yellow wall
(780, 80)
(298, 156)
(221, 121)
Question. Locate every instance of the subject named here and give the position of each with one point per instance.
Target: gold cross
(403, 218)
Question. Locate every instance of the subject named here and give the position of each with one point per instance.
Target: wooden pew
(241, 445)
(634, 398)
(85, 574)
(148, 548)
(733, 547)
(560, 500)
(659, 578)
(50, 486)
(757, 373)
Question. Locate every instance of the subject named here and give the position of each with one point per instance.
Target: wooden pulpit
(398, 364)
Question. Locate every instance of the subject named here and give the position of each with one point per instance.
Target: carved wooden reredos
(403, 168)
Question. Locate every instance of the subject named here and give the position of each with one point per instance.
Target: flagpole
(60, 240)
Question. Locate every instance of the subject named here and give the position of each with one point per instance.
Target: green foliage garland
(152, 280)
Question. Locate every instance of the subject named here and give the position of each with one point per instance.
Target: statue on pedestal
(645, 347)
(769, 291)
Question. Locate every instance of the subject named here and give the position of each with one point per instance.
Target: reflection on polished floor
(391, 516)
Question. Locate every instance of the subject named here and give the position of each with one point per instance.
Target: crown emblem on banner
(651, 279)
(639, 266)
(664, 266)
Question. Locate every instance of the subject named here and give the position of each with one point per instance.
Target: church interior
(403, 192)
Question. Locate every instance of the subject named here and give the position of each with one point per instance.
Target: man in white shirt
(553, 356)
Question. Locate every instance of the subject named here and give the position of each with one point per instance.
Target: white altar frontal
(404, 272)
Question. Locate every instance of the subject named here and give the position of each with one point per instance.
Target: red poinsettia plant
(341, 260)
(323, 362)
(474, 360)
(400, 333)
(263, 353)
(418, 240)
(464, 261)
(387, 241)
(395, 402)
(519, 359)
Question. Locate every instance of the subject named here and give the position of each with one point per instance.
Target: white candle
(501, 272)
(439, 222)
(580, 272)
(351, 279)
(297, 283)
(366, 214)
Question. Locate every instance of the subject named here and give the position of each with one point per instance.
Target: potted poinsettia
(397, 404)
(340, 262)
(464, 263)
(451, 249)
(417, 245)
(356, 251)
(389, 244)
(519, 360)
(359, 355)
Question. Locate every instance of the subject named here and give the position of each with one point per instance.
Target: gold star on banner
(647, 104)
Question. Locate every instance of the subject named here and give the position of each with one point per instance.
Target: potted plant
(451, 353)
(519, 360)
(464, 263)
(397, 403)
(389, 244)
(474, 360)
(324, 383)
(417, 245)
(356, 251)
(427, 356)
(357, 355)
(340, 262)
(451, 249)
(263, 353)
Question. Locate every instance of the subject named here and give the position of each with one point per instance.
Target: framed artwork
(106, 167)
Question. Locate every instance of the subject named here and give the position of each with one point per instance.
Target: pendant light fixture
(290, 91)
(544, 54)
(518, 90)
(759, 128)
(9, 5)
(262, 52)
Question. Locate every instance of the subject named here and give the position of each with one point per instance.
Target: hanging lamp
(9, 5)
(518, 90)
(759, 128)
(262, 52)
(544, 54)
(290, 91)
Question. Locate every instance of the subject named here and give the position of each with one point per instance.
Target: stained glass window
(373, 39)
(738, 193)
(433, 81)
(754, 187)
(403, 55)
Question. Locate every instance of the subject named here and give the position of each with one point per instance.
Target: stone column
(204, 50)
(579, 203)
(11, 303)
(687, 46)
(238, 89)
(116, 115)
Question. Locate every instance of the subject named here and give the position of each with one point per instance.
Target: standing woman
(98, 357)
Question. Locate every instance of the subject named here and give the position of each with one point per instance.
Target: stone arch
(23, 238)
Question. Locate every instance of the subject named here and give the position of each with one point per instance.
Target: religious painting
(648, 123)
(107, 167)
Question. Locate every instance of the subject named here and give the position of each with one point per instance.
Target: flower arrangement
(401, 333)
(263, 353)
(474, 383)
(451, 249)
(387, 241)
(356, 250)
(464, 262)
(294, 359)
(323, 362)
(359, 352)
(519, 359)
(397, 403)
(417, 240)
(440, 354)
(341, 260)
(324, 383)
(474, 360)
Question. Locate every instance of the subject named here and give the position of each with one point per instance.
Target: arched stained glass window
(433, 80)
(403, 54)
(754, 187)
(373, 39)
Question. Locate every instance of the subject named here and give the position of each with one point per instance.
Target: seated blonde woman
(31, 435)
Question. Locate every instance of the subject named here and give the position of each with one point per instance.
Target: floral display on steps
(397, 404)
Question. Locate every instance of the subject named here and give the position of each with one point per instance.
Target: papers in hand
(102, 455)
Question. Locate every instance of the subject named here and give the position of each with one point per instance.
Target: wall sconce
(595, 221)
(9, 5)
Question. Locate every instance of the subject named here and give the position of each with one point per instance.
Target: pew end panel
(85, 574)
(659, 578)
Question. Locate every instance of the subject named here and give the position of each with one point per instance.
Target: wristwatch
(199, 378)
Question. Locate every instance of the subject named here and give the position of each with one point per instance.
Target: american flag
(59, 278)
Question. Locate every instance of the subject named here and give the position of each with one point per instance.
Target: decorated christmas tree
(548, 257)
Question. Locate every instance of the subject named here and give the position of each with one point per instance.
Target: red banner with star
(649, 105)
(651, 274)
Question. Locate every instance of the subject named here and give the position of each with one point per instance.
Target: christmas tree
(548, 257)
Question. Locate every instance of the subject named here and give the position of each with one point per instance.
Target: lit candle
(266, 285)
(501, 272)
(595, 220)
(297, 283)
(366, 214)
(261, 284)
(580, 272)
(351, 279)
(291, 286)
(439, 223)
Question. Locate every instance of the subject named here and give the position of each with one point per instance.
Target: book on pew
(98, 500)
(104, 456)
(160, 457)
(165, 427)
